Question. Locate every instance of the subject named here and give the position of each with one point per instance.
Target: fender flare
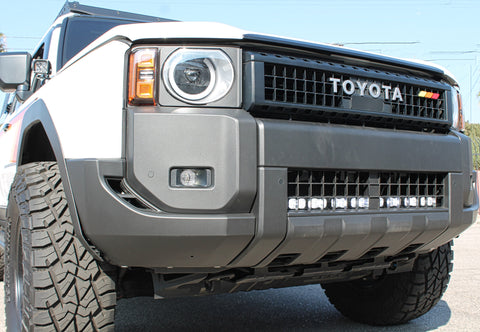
(37, 113)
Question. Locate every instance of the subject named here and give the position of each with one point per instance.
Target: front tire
(396, 298)
(52, 283)
(2, 263)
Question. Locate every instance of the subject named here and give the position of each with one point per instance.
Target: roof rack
(75, 7)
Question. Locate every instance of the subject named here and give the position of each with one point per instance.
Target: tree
(3, 47)
(473, 131)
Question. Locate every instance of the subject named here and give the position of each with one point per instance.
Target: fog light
(188, 178)
(431, 201)
(191, 177)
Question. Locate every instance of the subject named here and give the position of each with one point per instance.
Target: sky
(446, 32)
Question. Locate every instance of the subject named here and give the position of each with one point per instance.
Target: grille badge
(373, 89)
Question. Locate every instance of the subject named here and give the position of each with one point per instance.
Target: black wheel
(52, 283)
(396, 298)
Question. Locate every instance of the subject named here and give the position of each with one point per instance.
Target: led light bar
(359, 203)
(320, 203)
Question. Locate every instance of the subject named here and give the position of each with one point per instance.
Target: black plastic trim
(36, 113)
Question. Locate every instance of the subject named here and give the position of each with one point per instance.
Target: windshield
(81, 31)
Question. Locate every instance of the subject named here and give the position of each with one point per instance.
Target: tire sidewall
(14, 318)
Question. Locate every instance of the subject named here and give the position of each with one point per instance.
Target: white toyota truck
(142, 156)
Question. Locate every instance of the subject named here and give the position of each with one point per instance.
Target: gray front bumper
(238, 233)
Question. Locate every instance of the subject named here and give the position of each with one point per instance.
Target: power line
(454, 52)
(379, 43)
(450, 59)
(19, 49)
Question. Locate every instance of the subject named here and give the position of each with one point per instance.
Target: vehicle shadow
(304, 308)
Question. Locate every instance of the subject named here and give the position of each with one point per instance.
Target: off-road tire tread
(69, 290)
(401, 297)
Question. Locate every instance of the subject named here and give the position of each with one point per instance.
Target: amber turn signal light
(142, 74)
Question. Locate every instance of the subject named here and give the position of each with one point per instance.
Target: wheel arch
(35, 145)
(38, 141)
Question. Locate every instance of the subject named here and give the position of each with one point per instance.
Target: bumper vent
(127, 195)
(318, 190)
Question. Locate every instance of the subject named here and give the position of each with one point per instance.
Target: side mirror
(14, 70)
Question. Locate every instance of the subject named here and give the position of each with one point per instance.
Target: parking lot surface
(303, 308)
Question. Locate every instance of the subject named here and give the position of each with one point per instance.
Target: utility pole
(472, 98)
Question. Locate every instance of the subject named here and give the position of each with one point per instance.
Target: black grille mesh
(307, 183)
(311, 87)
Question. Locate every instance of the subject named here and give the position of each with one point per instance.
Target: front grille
(302, 89)
(306, 86)
(325, 190)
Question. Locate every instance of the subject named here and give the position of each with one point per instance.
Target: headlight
(198, 76)
(457, 113)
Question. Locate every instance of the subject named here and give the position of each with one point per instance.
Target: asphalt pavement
(304, 308)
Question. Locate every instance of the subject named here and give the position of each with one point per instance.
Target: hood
(210, 31)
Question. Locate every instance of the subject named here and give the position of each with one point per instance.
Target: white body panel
(7, 174)
(85, 102)
(8, 168)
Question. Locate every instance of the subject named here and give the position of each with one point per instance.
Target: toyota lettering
(371, 88)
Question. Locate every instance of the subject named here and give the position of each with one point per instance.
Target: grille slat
(410, 190)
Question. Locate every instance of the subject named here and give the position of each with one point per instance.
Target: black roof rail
(76, 7)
